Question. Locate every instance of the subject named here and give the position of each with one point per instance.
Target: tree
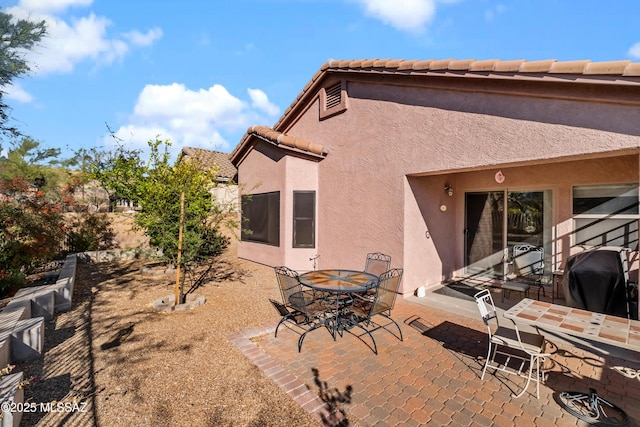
(156, 185)
(26, 161)
(17, 37)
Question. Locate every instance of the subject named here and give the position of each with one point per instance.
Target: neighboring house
(445, 166)
(226, 191)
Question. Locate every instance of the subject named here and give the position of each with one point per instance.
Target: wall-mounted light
(448, 189)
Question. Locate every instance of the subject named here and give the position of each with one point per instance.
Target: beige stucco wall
(370, 194)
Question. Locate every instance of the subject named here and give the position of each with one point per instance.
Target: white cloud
(260, 101)
(405, 15)
(17, 93)
(73, 41)
(40, 6)
(634, 51)
(196, 118)
(144, 39)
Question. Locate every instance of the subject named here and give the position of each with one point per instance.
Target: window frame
(297, 218)
(604, 215)
(272, 225)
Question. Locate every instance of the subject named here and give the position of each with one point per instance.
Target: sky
(200, 72)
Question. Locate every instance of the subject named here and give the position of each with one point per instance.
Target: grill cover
(595, 281)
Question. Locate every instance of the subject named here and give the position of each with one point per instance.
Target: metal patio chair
(529, 347)
(364, 309)
(299, 306)
(528, 269)
(376, 263)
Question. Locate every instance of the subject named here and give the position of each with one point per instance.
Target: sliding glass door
(498, 221)
(484, 233)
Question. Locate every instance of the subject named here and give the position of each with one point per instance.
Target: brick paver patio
(430, 378)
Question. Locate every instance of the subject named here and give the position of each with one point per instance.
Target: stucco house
(445, 165)
(225, 193)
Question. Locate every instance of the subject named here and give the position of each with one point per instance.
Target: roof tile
(368, 63)
(484, 65)
(569, 67)
(278, 138)
(422, 65)
(461, 64)
(212, 159)
(632, 69)
(609, 67)
(512, 66)
(537, 66)
(407, 65)
(440, 64)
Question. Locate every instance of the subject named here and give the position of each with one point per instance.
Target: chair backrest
(528, 259)
(388, 285)
(289, 283)
(377, 263)
(487, 308)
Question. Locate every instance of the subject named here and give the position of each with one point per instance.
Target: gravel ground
(114, 361)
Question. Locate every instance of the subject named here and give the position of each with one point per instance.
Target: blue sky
(200, 72)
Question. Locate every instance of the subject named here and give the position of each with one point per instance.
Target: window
(261, 218)
(606, 215)
(304, 225)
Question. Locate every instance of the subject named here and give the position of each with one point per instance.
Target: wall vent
(333, 100)
(334, 96)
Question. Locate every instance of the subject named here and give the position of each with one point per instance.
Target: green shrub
(90, 232)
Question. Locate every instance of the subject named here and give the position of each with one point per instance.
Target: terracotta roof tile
(461, 65)
(407, 65)
(440, 64)
(632, 69)
(422, 65)
(279, 138)
(569, 67)
(537, 66)
(395, 63)
(610, 67)
(213, 159)
(512, 66)
(484, 65)
(368, 63)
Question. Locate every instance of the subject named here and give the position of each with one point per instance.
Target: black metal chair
(299, 306)
(365, 309)
(376, 263)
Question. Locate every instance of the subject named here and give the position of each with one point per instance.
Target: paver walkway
(430, 378)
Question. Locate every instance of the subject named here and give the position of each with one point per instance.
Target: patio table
(618, 331)
(338, 283)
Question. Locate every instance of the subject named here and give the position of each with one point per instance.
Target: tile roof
(581, 71)
(489, 68)
(211, 158)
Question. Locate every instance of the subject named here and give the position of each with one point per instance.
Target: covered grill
(597, 280)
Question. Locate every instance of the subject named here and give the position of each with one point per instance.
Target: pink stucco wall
(271, 171)
(391, 152)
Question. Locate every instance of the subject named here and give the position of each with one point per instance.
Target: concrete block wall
(22, 329)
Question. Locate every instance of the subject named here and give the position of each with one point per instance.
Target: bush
(90, 232)
(30, 234)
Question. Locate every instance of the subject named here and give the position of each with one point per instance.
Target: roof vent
(333, 100)
(334, 96)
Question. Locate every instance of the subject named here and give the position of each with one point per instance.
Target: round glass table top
(339, 280)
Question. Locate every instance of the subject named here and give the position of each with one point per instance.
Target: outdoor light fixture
(449, 190)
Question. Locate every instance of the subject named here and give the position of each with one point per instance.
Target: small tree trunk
(178, 290)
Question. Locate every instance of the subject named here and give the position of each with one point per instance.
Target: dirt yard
(122, 363)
